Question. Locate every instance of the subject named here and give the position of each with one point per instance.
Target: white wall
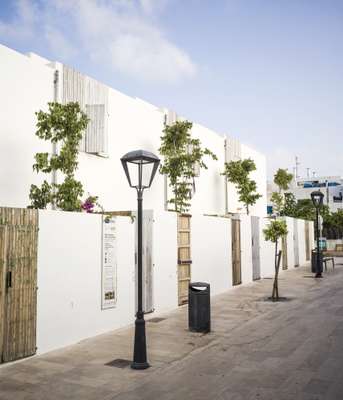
(246, 249)
(302, 244)
(210, 186)
(290, 242)
(69, 279)
(165, 261)
(211, 252)
(69, 270)
(260, 177)
(132, 125)
(26, 86)
(312, 241)
(267, 252)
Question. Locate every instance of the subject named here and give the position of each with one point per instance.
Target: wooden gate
(307, 240)
(255, 247)
(236, 251)
(184, 256)
(18, 283)
(284, 252)
(296, 243)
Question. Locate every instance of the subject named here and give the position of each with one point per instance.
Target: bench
(326, 260)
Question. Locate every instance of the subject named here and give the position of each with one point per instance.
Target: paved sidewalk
(257, 350)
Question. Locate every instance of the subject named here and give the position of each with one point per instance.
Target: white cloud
(58, 43)
(153, 6)
(22, 25)
(120, 33)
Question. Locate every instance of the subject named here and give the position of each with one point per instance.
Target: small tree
(62, 124)
(282, 179)
(238, 172)
(275, 230)
(181, 154)
(278, 201)
(290, 205)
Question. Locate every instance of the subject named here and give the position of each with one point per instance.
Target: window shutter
(93, 99)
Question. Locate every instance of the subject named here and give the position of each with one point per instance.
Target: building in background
(301, 188)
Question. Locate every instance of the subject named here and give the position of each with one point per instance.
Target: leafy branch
(238, 173)
(181, 155)
(62, 124)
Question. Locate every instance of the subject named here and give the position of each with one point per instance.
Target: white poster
(109, 263)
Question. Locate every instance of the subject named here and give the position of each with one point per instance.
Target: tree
(303, 208)
(275, 230)
(333, 225)
(289, 205)
(278, 201)
(238, 173)
(282, 179)
(181, 154)
(62, 124)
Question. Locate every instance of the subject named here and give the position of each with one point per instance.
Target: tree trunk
(275, 293)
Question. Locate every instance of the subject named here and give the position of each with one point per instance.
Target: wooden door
(296, 243)
(18, 287)
(284, 252)
(236, 251)
(255, 246)
(307, 240)
(184, 256)
(147, 262)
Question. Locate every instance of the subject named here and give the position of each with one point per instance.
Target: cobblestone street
(256, 350)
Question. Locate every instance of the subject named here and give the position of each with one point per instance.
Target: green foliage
(282, 179)
(275, 230)
(290, 204)
(41, 197)
(303, 209)
(181, 154)
(62, 124)
(334, 220)
(238, 172)
(278, 201)
(68, 195)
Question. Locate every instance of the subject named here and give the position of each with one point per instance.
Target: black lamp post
(140, 167)
(317, 199)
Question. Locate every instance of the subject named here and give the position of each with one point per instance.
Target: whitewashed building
(119, 124)
(225, 246)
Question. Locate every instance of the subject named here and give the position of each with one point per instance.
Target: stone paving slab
(256, 350)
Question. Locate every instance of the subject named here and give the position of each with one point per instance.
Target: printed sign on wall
(109, 263)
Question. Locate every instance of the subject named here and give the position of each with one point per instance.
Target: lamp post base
(138, 365)
(139, 353)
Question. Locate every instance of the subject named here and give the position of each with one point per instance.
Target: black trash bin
(199, 307)
(314, 261)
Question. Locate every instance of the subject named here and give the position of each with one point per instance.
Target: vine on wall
(62, 124)
(181, 155)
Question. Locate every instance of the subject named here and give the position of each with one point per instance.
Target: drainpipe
(54, 145)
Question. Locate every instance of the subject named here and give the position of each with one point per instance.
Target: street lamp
(317, 200)
(140, 167)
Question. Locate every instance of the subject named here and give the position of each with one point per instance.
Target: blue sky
(269, 72)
